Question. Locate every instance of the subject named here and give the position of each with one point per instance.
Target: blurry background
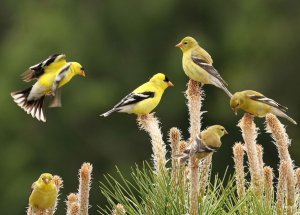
(254, 44)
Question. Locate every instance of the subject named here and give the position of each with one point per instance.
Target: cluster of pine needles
(156, 189)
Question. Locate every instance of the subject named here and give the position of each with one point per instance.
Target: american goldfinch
(257, 104)
(51, 74)
(207, 142)
(44, 193)
(197, 64)
(144, 98)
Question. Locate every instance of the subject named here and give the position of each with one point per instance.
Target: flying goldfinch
(51, 74)
(207, 142)
(257, 104)
(44, 193)
(197, 64)
(144, 98)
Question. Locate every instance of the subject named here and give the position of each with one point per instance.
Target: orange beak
(179, 45)
(170, 84)
(82, 73)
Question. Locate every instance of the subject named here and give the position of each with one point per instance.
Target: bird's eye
(185, 43)
(81, 68)
(222, 129)
(166, 79)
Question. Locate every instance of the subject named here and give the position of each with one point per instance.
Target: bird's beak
(170, 84)
(235, 111)
(225, 132)
(179, 45)
(46, 180)
(82, 73)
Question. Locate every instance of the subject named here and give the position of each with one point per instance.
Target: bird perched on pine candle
(207, 142)
(257, 104)
(51, 74)
(197, 64)
(144, 98)
(44, 193)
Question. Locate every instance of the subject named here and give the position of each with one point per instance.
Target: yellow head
(218, 129)
(161, 80)
(77, 69)
(236, 101)
(46, 178)
(187, 43)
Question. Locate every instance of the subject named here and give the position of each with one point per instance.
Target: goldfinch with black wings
(51, 74)
(197, 64)
(144, 98)
(257, 104)
(44, 193)
(207, 142)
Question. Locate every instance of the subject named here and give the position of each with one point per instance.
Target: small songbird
(197, 64)
(207, 142)
(257, 104)
(51, 74)
(44, 193)
(144, 98)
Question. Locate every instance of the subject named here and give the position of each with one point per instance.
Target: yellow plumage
(257, 104)
(207, 142)
(144, 98)
(51, 74)
(44, 193)
(197, 64)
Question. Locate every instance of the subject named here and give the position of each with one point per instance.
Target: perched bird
(257, 104)
(51, 74)
(207, 142)
(144, 98)
(44, 193)
(197, 64)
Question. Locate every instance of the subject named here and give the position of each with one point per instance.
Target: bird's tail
(33, 107)
(106, 114)
(282, 114)
(182, 158)
(226, 91)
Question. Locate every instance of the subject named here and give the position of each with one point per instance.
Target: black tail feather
(33, 107)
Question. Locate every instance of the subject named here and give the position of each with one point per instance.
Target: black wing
(133, 98)
(35, 71)
(208, 68)
(268, 101)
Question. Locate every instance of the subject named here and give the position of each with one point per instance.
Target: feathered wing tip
(226, 91)
(35, 108)
(106, 114)
(280, 113)
(28, 75)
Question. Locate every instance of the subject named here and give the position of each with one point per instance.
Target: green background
(255, 45)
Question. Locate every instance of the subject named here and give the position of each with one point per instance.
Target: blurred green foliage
(255, 45)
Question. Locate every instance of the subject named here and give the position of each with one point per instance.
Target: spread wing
(133, 98)
(208, 68)
(35, 71)
(268, 101)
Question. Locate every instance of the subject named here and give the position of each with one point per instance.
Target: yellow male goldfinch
(257, 104)
(51, 74)
(44, 193)
(197, 64)
(207, 142)
(144, 98)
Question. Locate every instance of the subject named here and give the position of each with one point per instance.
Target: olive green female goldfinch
(257, 104)
(144, 98)
(51, 74)
(44, 193)
(197, 64)
(207, 142)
